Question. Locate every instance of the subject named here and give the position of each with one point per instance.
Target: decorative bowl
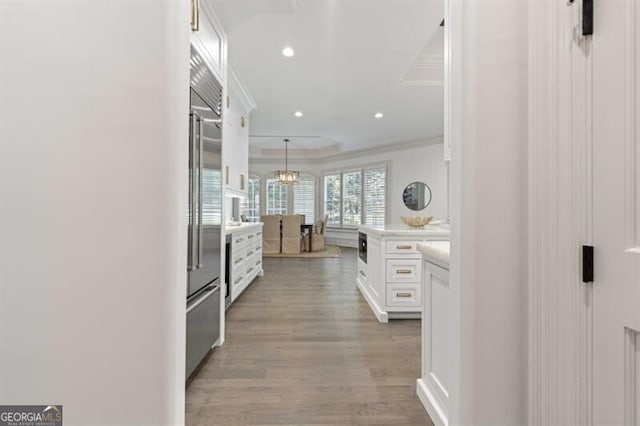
(416, 221)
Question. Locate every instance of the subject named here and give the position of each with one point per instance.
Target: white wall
(405, 165)
(93, 185)
(489, 212)
(424, 164)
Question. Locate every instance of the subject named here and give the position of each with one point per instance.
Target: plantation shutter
(276, 197)
(332, 196)
(375, 185)
(304, 198)
(251, 205)
(352, 198)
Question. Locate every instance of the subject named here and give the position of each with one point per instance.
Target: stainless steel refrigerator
(204, 212)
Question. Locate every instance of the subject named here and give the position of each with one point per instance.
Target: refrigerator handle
(206, 293)
(192, 165)
(200, 178)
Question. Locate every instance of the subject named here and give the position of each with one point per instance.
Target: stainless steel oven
(362, 246)
(227, 272)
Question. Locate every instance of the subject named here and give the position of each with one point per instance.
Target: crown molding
(236, 83)
(380, 149)
(294, 154)
(383, 149)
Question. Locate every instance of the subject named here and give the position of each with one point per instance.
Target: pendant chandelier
(286, 176)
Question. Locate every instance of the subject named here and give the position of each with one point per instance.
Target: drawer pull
(239, 240)
(195, 15)
(403, 271)
(238, 260)
(403, 294)
(249, 254)
(249, 271)
(251, 236)
(258, 262)
(404, 247)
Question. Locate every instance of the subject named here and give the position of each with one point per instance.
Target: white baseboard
(430, 404)
(381, 315)
(342, 237)
(342, 242)
(405, 315)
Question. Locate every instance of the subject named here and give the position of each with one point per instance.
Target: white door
(616, 212)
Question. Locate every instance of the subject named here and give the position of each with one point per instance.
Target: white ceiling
(352, 59)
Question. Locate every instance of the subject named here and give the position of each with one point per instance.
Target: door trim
(560, 215)
(632, 143)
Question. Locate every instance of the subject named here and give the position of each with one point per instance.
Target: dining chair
(318, 240)
(271, 234)
(291, 236)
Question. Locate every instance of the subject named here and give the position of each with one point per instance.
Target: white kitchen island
(390, 268)
(438, 333)
(245, 256)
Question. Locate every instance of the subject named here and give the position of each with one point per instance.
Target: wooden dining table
(309, 229)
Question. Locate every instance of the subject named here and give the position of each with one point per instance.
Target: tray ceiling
(353, 58)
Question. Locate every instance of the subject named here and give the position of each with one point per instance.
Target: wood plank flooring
(303, 348)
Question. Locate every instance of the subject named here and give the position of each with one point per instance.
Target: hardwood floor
(303, 348)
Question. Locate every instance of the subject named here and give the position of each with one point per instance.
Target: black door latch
(587, 16)
(587, 264)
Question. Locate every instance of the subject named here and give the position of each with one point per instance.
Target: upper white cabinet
(235, 145)
(209, 38)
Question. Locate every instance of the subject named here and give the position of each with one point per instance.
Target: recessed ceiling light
(379, 115)
(288, 51)
(298, 114)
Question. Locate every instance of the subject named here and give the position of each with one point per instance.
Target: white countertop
(436, 252)
(244, 226)
(438, 231)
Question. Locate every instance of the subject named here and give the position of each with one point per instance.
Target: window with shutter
(332, 198)
(375, 186)
(355, 197)
(276, 197)
(352, 198)
(304, 198)
(251, 205)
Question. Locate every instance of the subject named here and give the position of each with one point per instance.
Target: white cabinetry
(211, 41)
(369, 280)
(438, 333)
(433, 386)
(391, 278)
(235, 144)
(246, 257)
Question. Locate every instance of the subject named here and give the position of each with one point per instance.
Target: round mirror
(416, 196)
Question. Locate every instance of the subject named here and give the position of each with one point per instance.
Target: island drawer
(241, 241)
(404, 295)
(402, 247)
(404, 270)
